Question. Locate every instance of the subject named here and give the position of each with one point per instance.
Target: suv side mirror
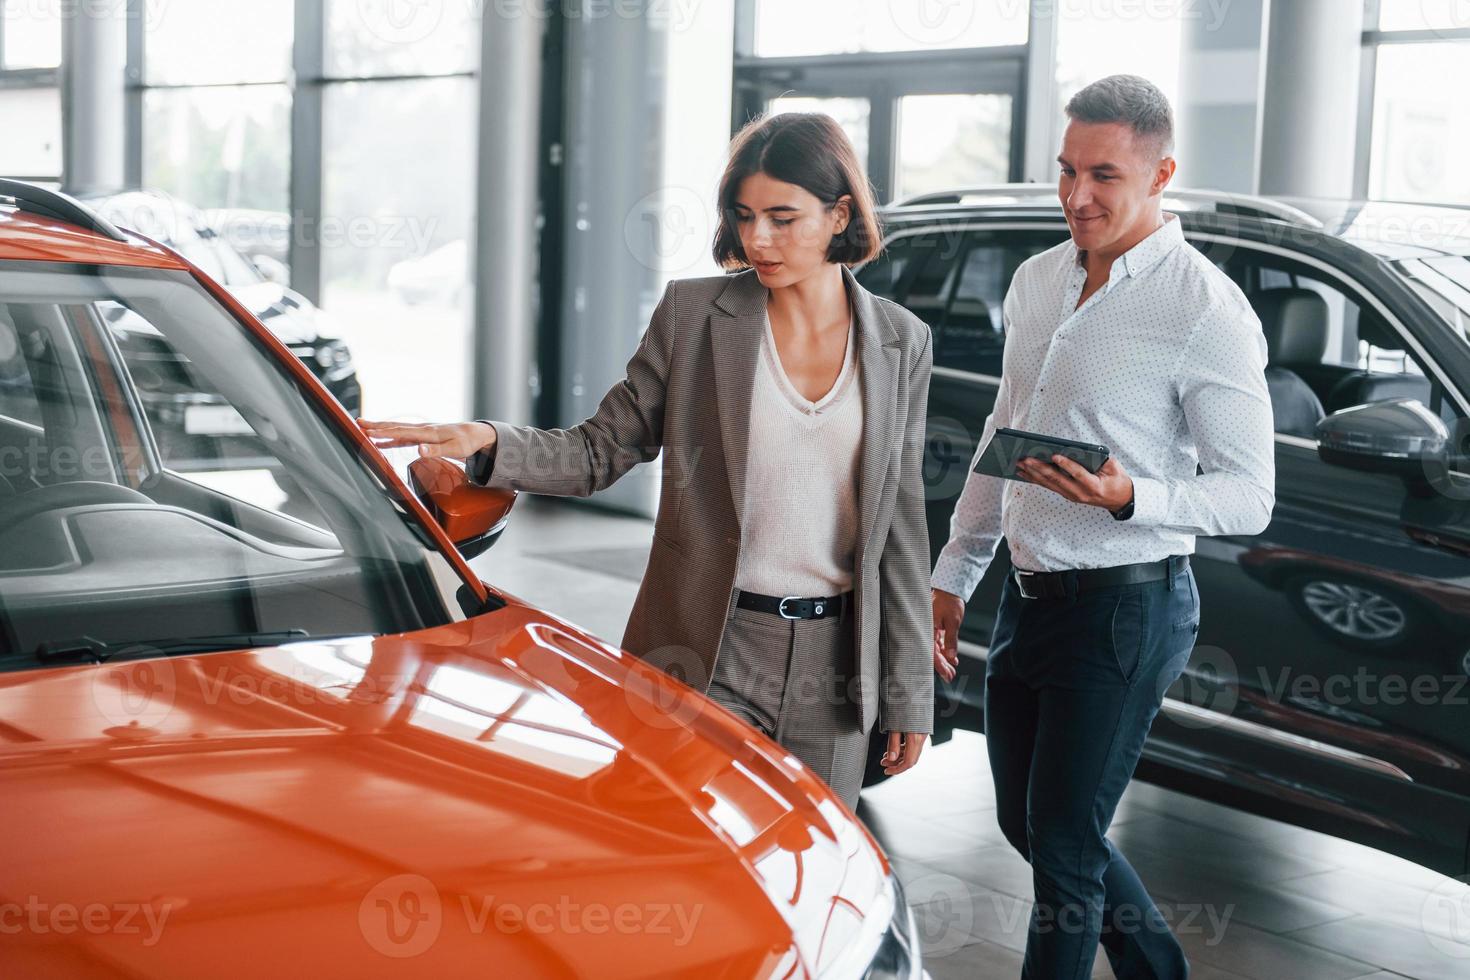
(1398, 436)
(472, 516)
(273, 269)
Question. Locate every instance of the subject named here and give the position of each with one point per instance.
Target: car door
(1328, 684)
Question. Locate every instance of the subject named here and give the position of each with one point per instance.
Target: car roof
(30, 232)
(1394, 230)
(1387, 230)
(162, 217)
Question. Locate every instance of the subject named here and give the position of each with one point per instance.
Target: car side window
(971, 334)
(917, 271)
(956, 282)
(1328, 349)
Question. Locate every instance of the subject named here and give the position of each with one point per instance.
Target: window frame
(21, 79)
(1353, 291)
(306, 87)
(1373, 39)
(883, 78)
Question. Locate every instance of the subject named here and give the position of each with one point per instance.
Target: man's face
(1109, 184)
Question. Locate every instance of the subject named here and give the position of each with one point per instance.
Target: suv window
(972, 332)
(916, 271)
(1328, 349)
(956, 282)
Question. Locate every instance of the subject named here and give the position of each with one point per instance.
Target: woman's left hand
(457, 440)
(903, 751)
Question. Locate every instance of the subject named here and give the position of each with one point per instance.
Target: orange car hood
(505, 796)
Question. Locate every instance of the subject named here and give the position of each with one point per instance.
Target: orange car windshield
(165, 481)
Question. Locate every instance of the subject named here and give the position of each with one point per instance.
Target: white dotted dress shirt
(1164, 365)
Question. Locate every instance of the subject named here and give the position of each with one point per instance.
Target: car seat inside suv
(1362, 387)
(969, 339)
(1295, 324)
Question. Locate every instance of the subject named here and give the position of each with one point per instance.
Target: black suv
(1329, 685)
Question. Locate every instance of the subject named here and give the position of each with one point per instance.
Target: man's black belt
(795, 607)
(1061, 585)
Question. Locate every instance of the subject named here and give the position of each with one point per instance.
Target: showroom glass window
(1419, 53)
(842, 26)
(398, 161)
(1098, 40)
(217, 105)
(30, 93)
(928, 93)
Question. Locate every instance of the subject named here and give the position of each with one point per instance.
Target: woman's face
(785, 230)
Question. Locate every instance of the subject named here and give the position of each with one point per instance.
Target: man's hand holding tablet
(1081, 472)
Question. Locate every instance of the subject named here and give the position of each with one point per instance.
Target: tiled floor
(1248, 897)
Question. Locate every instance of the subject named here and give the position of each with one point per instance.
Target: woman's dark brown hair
(810, 150)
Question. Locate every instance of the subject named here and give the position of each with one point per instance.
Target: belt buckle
(1021, 584)
(781, 606)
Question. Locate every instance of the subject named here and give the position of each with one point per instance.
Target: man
(1129, 337)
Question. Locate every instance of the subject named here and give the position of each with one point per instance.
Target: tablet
(1009, 446)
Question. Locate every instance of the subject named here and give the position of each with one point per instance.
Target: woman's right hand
(458, 440)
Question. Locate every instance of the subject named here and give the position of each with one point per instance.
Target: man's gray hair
(1133, 101)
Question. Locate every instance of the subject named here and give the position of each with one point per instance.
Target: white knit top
(801, 480)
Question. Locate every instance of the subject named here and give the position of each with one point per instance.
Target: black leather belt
(795, 607)
(1061, 585)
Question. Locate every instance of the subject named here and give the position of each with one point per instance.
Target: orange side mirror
(472, 516)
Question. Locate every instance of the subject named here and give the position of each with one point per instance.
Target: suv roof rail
(38, 200)
(1223, 202)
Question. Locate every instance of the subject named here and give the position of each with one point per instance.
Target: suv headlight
(898, 956)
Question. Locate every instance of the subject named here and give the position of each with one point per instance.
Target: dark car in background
(190, 419)
(1329, 684)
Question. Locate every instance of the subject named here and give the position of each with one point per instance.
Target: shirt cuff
(955, 575)
(1150, 501)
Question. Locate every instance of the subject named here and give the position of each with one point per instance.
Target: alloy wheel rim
(1355, 611)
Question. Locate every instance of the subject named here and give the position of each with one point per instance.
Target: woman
(789, 573)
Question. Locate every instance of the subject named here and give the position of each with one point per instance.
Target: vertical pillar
(504, 335)
(647, 125)
(93, 99)
(308, 58)
(1039, 155)
(1222, 71)
(1310, 111)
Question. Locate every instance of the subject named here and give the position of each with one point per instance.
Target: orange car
(263, 719)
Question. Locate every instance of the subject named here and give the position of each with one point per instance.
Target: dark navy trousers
(1071, 688)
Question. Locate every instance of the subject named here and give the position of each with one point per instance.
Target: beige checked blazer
(687, 393)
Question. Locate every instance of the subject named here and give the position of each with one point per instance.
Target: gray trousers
(790, 678)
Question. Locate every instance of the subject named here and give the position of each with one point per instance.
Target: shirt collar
(1159, 243)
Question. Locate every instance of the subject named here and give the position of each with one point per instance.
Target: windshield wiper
(87, 649)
